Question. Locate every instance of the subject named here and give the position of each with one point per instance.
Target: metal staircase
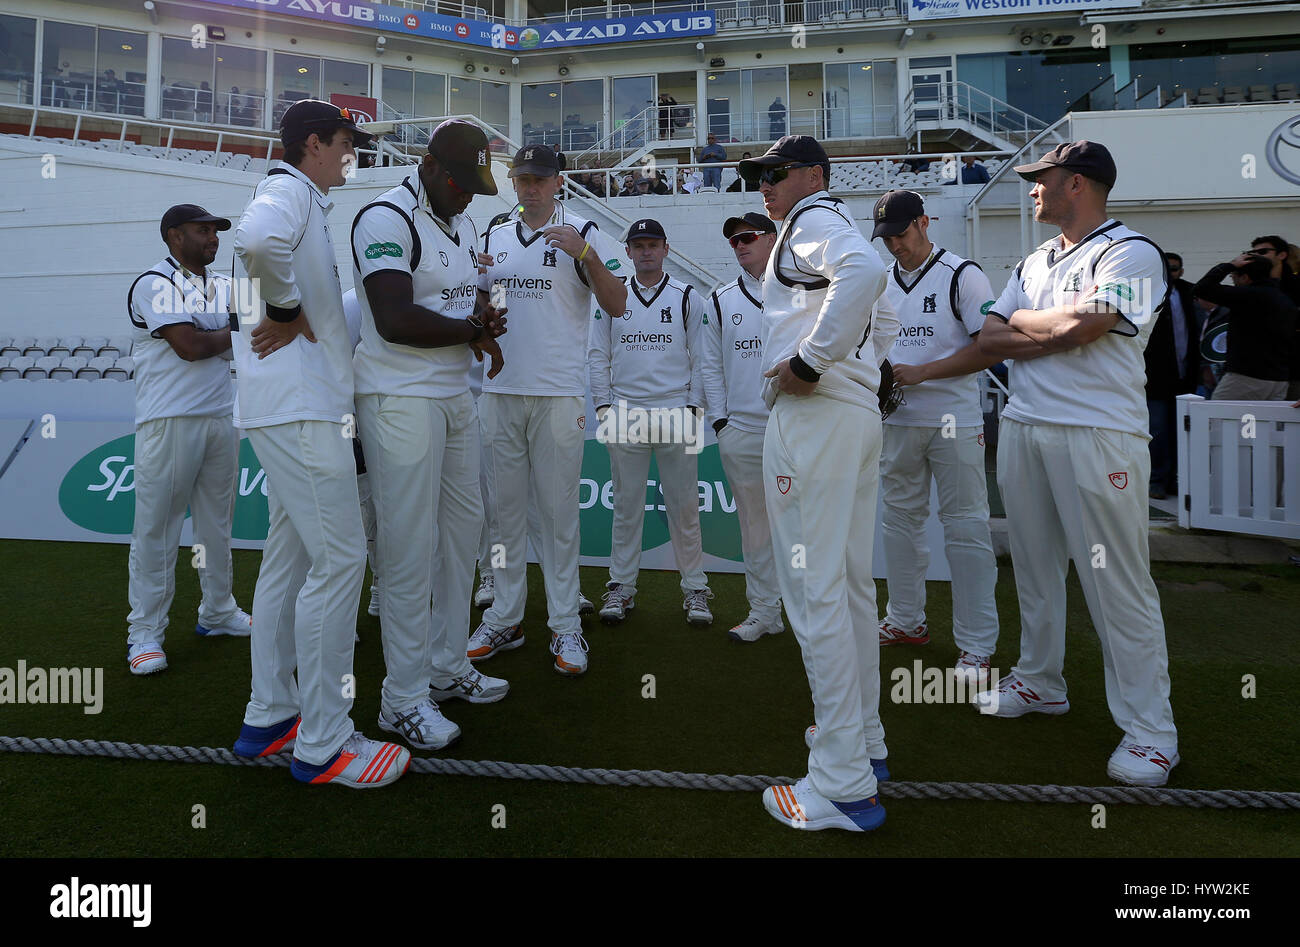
(951, 109)
(639, 136)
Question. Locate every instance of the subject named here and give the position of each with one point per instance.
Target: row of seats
(88, 348)
(1213, 95)
(887, 174)
(63, 369)
(235, 161)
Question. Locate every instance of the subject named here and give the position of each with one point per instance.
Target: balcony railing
(738, 14)
(938, 104)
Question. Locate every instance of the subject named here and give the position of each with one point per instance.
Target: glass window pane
(541, 114)
(763, 96)
(430, 95)
(884, 83)
(496, 105)
(584, 103)
(398, 93)
(464, 96)
(296, 77)
(347, 78)
(68, 66)
(17, 58)
(241, 85)
(121, 64)
(722, 90)
(632, 95)
(186, 81)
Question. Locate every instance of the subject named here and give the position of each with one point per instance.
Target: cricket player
(413, 250)
(937, 432)
(645, 365)
(1073, 463)
(352, 313)
(733, 380)
(186, 448)
(547, 264)
(295, 399)
(821, 455)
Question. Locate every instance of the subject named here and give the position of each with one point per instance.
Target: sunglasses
(775, 176)
(749, 236)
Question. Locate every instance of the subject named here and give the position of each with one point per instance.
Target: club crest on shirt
(736, 318)
(927, 304)
(627, 314)
(501, 257)
(666, 315)
(442, 258)
(582, 422)
(1119, 480)
(783, 484)
(1074, 282)
(979, 439)
(548, 257)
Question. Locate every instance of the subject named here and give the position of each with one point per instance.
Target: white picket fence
(1239, 466)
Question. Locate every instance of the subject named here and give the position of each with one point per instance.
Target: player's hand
(484, 261)
(489, 346)
(493, 319)
(787, 381)
(270, 336)
(909, 375)
(566, 238)
(1241, 259)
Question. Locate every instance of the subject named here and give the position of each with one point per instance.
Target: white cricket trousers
(305, 603)
(821, 462)
(535, 441)
(181, 462)
(490, 533)
(1081, 493)
(742, 460)
(909, 456)
(679, 480)
(422, 455)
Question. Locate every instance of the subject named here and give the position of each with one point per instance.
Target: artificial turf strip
(719, 708)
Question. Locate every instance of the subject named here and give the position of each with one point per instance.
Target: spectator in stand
(915, 165)
(971, 173)
(691, 180)
(776, 119)
(110, 92)
(666, 103)
(1173, 362)
(629, 187)
(740, 184)
(1283, 257)
(712, 154)
(659, 184)
(1261, 327)
(203, 102)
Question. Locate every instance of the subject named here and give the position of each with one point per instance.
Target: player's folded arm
(192, 343)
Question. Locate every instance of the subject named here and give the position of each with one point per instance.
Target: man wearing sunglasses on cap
(733, 382)
(822, 349)
(414, 251)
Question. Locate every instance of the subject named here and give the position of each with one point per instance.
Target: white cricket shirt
(397, 231)
(1101, 384)
(939, 309)
(732, 363)
(167, 386)
(546, 291)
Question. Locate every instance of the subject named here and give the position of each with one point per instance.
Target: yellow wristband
(585, 248)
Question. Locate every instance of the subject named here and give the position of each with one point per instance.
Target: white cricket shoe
(753, 628)
(240, 626)
(584, 605)
(486, 593)
(1013, 698)
(696, 606)
(422, 726)
(975, 668)
(146, 658)
(617, 604)
(376, 599)
(570, 653)
(475, 687)
(487, 641)
(802, 807)
(1142, 765)
(360, 763)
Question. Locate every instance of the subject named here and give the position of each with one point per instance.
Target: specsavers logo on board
(98, 491)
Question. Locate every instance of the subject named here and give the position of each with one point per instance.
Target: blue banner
(483, 33)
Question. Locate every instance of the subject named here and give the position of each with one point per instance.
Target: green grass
(719, 708)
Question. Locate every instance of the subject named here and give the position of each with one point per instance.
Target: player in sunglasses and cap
(824, 336)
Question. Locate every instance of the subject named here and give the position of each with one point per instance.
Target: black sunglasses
(749, 236)
(777, 175)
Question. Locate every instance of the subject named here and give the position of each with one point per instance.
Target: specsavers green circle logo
(529, 38)
(98, 491)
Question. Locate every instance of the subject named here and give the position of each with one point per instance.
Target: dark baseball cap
(645, 228)
(1082, 157)
(895, 212)
(796, 149)
(189, 214)
(462, 148)
(306, 117)
(535, 159)
(757, 221)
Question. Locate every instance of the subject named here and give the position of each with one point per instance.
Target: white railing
(736, 14)
(568, 138)
(939, 103)
(94, 95)
(658, 123)
(1239, 466)
(236, 109)
(766, 125)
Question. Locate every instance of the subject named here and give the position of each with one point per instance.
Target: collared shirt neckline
(321, 197)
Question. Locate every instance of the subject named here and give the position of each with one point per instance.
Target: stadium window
(187, 72)
(430, 95)
(861, 99)
(399, 92)
(17, 59)
(346, 78)
(241, 86)
(120, 65)
(68, 66)
(296, 77)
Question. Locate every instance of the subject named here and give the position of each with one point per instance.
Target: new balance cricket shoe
(1013, 698)
(974, 667)
(879, 767)
(487, 641)
(570, 653)
(801, 807)
(889, 634)
(1136, 765)
(584, 605)
(241, 626)
(753, 628)
(486, 593)
(618, 602)
(146, 658)
(267, 741)
(474, 687)
(696, 606)
(422, 726)
(376, 599)
(360, 764)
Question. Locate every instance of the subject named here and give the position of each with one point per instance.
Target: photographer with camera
(1261, 328)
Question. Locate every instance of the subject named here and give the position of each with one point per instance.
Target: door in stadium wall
(931, 79)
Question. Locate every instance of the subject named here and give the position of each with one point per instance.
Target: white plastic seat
(127, 364)
(63, 347)
(8, 369)
(21, 365)
(9, 350)
(68, 367)
(42, 367)
(117, 371)
(117, 347)
(31, 349)
(100, 364)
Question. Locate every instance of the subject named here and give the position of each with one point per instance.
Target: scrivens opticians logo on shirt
(453, 293)
(646, 341)
(750, 348)
(520, 287)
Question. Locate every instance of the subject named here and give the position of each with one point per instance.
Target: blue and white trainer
(801, 807)
(267, 741)
(361, 763)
